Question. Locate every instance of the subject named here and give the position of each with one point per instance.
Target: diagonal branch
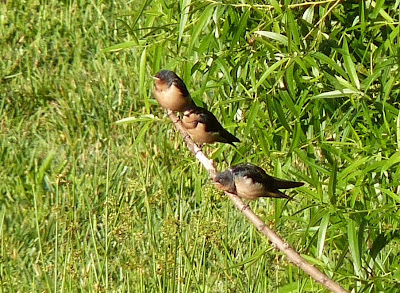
(276, 241)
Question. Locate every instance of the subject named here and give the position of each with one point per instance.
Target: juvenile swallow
(171, 92)
(203, 127)
(251, 182)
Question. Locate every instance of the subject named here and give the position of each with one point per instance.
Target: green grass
(88, 204)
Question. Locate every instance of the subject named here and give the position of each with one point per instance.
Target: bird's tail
(280, 194)
(285, 184)
(229, 137)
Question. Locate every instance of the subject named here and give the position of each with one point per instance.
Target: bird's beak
(155, 78)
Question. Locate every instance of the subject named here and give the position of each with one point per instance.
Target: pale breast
(248, 189)
(171, 98)
(189, 121)
(200, 135)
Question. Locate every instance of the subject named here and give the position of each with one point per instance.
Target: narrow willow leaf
(264, 145)
(349, 66)
(293, 33)
(323, 227)
(269, 71)
(185, 6)
(291, 85)
(142, 79)
(308, 15)
(45, 166)
(390, 193)
(224, 67)
(143, 131)
(157, 58)
(330, 62)
(380, 242)
(252, 259)
(332, 184)
(394, 159)
(398, 130)
(203, 21)
(146, 117)
(274, 36)
(297, 136)
(255, 107)
(352, 235)
(377, 8)
(139, 12)
(345, 83)
(353, 167)
(310, 162)
(121, 46)
(240, 29)
(281, 115)
(277, 6)
(288, 102)
(387, 89)
(336, 94)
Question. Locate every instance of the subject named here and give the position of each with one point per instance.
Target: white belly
(248, 189)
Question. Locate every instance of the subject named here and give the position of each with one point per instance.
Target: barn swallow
(171, 92)
(251, 182)
(203, 127)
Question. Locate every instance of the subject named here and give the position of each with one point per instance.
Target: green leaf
(332, 184)
(390, 193)
(394, 159)
(349, 66)
(143, 78)
(204, 20)
(121, 46)
(277, 6)
(269, 71)
(44, 167)
(240, 29)
(308, 15)
(146, 117)
(330, 62)
(281, 115)
(322, 234)
(291, 86)
(336, 94)
(293, 32)
(354, 246)
(377, 9)
(381, 241)
(253, 114)
(274, 36)
(288, 102)
(352, 167)
(398, 130)
(185, 6)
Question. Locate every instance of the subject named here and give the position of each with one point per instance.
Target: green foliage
(311, 89)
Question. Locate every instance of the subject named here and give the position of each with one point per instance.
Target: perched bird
(171, 92)
(203, 127)
(251, 182)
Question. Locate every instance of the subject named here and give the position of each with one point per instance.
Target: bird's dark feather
(212, 125)
(170, 77)
(259, 175)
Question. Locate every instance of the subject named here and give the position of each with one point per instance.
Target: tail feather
(283, 195)
(277, 194)
(285, 184)
(229, 137)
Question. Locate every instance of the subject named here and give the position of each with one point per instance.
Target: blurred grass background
(311, 89)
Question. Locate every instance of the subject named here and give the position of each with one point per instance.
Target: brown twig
(276, 241)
